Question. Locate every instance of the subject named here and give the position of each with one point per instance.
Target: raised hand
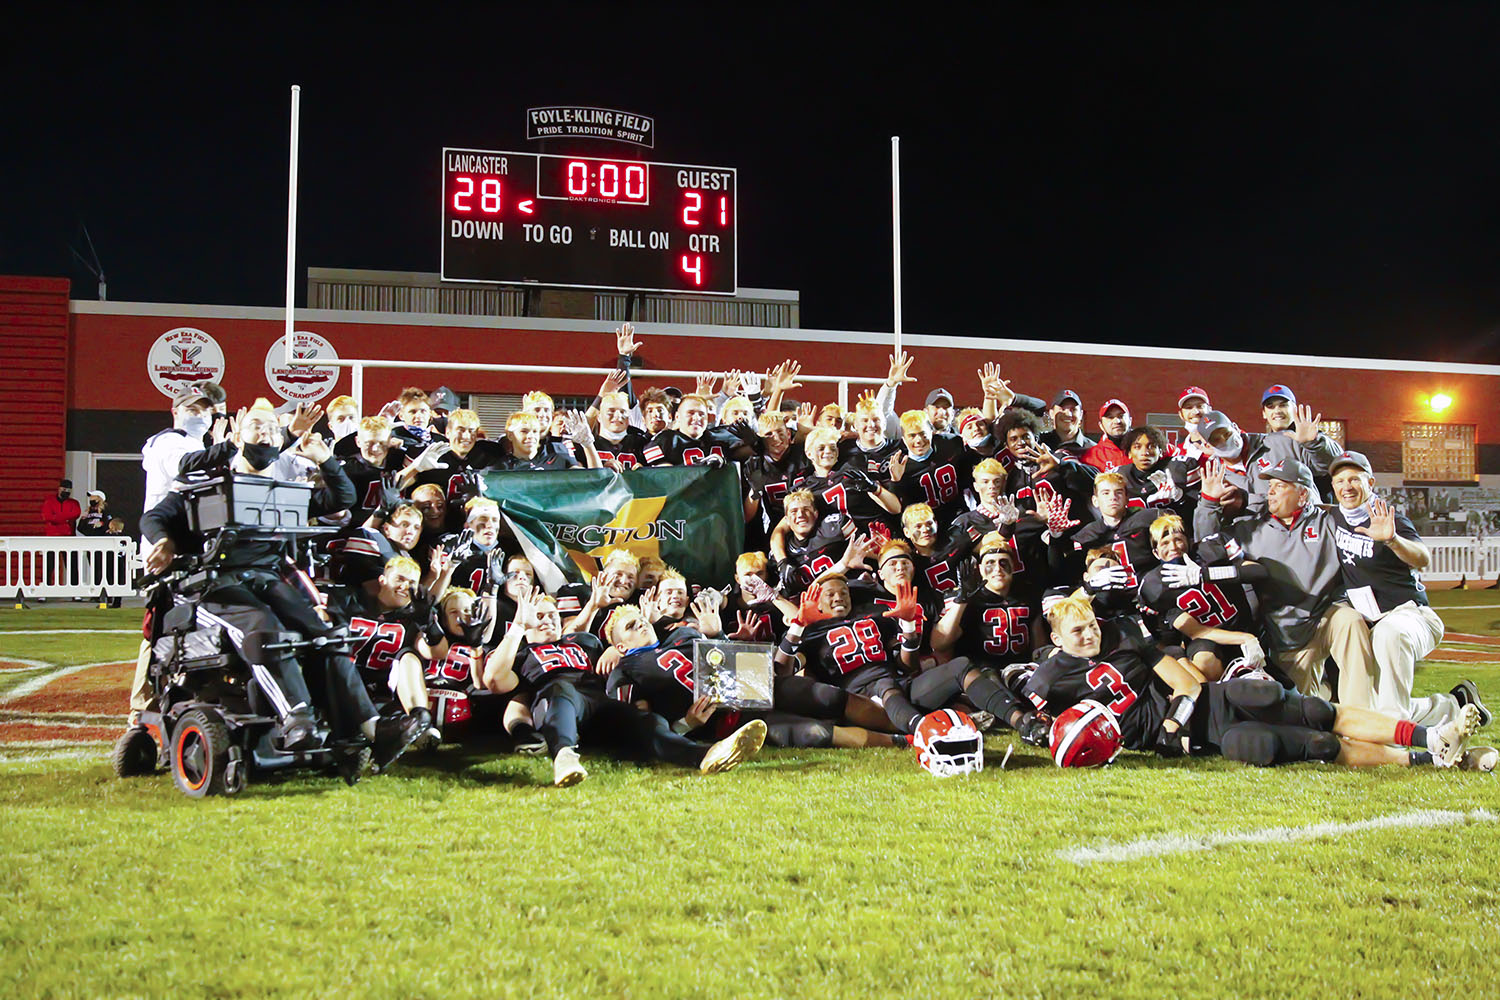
(784, 376)
(732, 382)
(313, 448)
(1183, 574)
(900, 369)
(751, 382)
(861, 547)
(706, 383)
(908, 608)
(1213, 478)
(1307, 426)
(649, 608)
(439, 560)
(806, 414)
(759, 590)
(1006, 511)
(1382, 525)
(706, 609)
(898, 466)
(430, 456)
(235, 423)
(1058, 520)
(807, 607)
(303, 418)
(613, 382)
(625, 342)
(577, 426)
(747, 623)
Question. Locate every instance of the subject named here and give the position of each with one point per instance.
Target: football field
(802, 874)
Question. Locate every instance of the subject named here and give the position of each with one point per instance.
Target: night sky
(1266, 178)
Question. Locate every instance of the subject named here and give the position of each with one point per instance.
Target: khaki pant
(1342, 634)
(1400, 638)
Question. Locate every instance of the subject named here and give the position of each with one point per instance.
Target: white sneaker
(1447, 741)
(734, 749)
(1479, 759)
(567, 769)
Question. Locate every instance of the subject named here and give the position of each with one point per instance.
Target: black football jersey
(941, 570)
(359, 554)
(1122, 678)
(996, 629)
(770, 624)
(1216, 605)
(454, 475)
(938, 480)
(836, 649)
(807, 558)
(1375, 577)
(367, 481)
(476, 568)
(545, 461)
(662, 675)
(1130, 540)
(626, 452)
(572, 657)
(383, 634)
(837, 493)
(672, 447)
(455, 668)
(874, 599)
(1141, 487)
(773, 478)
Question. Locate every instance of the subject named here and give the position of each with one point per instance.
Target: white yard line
(73, 631)
(1151, 847)
(57, 755)
(37, 683)
(21, 663)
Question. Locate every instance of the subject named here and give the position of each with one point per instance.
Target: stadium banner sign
(573, 122)
(689, 516)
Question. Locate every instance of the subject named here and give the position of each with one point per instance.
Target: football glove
(1184, 574)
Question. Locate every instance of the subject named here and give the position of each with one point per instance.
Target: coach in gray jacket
(1291, 557)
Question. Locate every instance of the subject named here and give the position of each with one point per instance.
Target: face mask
(1191, 426)
(1358, 515)
(260, 456)
(343, 427)
(913, 456)
(195, 426)
(1231, 447)
(983, 442)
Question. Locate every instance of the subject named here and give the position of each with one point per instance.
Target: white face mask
(343, 426)
(1231, 447)
(195, 426)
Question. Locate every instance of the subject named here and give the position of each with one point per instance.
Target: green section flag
(690, 516)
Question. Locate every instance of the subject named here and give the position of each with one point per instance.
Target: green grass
(803, 874)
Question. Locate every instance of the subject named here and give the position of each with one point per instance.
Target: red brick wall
(34, 385)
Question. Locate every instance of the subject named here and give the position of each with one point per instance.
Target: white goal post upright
(291, 224)
(896, 235)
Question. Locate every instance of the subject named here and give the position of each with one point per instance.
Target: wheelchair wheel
(200, 753)
(135, 753)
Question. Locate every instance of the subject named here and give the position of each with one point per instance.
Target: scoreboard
(586, 222)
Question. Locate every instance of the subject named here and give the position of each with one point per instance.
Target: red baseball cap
(1113, 402)
(1190, 392)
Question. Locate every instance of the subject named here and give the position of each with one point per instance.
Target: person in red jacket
(60, 513)
(1109, 453)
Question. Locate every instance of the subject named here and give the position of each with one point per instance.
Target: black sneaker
(393, 734)
(526, 740)
(1467, 694)
(1036, 729)
(299, 732)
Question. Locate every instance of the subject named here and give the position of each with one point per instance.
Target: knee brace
(1250, 743)
(1317, 713)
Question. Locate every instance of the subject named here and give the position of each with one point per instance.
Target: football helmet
(947, 743)
(1086, 735)
(450, 712)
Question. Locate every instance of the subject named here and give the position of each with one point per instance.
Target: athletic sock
(900, 710)
(1409, 734)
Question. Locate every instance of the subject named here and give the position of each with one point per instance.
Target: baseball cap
(1104, 408)
(1213, 420)
(98, 493)
(1191, 392)
(191, 395)
(937, 394)
(1064, 396)
(1353, 458)
(65, 483)
(1278, 390)
(443, 398)
(673, 391)
(1289, 470)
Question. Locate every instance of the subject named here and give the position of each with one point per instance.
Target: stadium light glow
(1440, 401)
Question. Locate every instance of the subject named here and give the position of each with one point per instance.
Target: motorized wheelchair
(211, 725)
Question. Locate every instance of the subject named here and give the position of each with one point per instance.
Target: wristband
(789, 646)
(1180, 710)
(907, 628)
(681, 727)
(1221, 574)
(912, 642)
(1209, 497)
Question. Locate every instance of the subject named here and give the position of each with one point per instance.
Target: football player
(1214, 622)
(525, 429)
(414, 430)
(939, 557)
(986, 624)
(658, 675)
(1125, 531)
(619, 444)
(573, 703)
(1162, 707)
(770, 473)
(374, 467)
(808, 545)
(930, 468)
(693, 440)
(858, 652)
(754, 600)
(848, 487)
(613, 585)
(1152, 477)
(468, 453)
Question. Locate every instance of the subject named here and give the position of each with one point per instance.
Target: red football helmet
(947, 743)
(1086, 735)
(450, 712)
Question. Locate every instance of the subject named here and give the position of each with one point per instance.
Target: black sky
(1317, 179)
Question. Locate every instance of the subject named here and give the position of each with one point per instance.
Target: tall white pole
(896, 233)
(291, 224)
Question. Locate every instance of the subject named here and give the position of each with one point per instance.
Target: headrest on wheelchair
(181, 618)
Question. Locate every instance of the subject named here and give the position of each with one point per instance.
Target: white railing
(1455, 559)
(42, 566)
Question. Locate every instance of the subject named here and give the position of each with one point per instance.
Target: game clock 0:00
(588, 222)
